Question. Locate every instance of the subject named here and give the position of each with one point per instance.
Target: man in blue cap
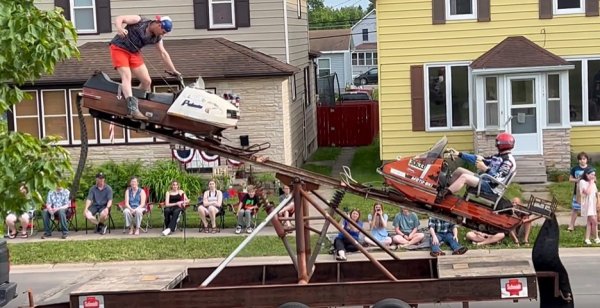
(133, 33)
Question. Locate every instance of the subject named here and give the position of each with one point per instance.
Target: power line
(339, 35)
(343, 20)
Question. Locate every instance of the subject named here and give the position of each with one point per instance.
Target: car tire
(363, 81)
(391, 303)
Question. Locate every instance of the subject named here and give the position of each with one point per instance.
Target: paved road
(53, 283)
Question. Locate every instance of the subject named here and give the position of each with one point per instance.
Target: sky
(343, 3)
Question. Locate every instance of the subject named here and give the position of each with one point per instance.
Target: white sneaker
(166, 231)
(238, 230)
(597, 240)
(588, 242)
(249, 230)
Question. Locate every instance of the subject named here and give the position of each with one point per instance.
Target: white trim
(334, 51)
(556, 11)
(286, 32)
(473, 14)
(65, 115)
(93, 7)
(319, 66)
(521, 70)
(448, 81)
(584, 91)
(72, 120)
(539, 96)
(106, 141)
(211, 23)
(36, 116)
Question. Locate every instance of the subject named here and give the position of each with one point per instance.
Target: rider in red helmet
(500, 166)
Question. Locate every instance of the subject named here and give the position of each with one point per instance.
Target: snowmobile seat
(492, 200)
(101, 81)
(163, 98)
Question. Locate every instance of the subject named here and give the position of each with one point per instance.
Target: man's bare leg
(468, 179)
(141, 72)
(132, 102)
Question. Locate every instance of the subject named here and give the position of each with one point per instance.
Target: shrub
(160, 175)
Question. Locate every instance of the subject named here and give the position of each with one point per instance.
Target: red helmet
(505, 142)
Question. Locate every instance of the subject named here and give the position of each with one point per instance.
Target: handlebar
(179, 77)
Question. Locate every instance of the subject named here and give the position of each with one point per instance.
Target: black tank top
(175, 198)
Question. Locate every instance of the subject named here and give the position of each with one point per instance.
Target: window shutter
(103, 17)
(417, 97)
(483, 10)
(546, 9)
(242, 13)
(438, 11)
(66, 6)
(591, 8)
(201, 14)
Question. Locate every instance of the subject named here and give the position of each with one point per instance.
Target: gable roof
(372, 12)
(366, 46)
(209, 58)
(517, 51)
(330, 40)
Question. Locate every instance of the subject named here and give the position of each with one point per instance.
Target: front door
(524, 97)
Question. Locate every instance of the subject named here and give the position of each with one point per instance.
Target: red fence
(348, 124)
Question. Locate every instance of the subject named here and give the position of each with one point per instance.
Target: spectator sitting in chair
(175, 203)
(288, 210)
(99, 201)
(57, 205)
(443, 231)
(406, 225)
(248, 205)
(24, 218)
(212, 201)
(135, 206)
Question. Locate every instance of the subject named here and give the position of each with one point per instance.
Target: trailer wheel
(293, 305)
(391, 303)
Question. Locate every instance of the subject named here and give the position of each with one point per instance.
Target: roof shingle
(517, 51)
(329, 40)
(209, 58)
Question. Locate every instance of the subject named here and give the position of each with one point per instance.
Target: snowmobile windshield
(434, 153)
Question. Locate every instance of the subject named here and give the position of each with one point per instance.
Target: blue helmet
(165, 22)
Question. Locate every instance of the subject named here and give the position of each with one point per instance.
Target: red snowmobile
(423, 177)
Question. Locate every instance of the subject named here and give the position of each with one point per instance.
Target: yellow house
(469, 69)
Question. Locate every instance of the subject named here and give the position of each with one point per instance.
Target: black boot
(132, 109)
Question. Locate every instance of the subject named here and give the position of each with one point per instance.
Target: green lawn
(324, 170)
(325, 153)
(563, 192)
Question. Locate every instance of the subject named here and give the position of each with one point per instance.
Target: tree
(330, 18)
(32, 41)
(315, 5)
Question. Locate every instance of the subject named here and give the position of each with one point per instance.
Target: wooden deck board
(466, 266)
(134, 279)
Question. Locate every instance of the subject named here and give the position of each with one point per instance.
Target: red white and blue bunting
(184, 156)
(207, 157)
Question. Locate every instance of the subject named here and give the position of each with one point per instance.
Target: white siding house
(364, 37)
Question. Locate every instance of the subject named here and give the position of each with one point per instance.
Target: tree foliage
(32, 41)
(322, 17)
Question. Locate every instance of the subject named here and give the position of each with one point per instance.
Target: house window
(221, 14)
(90, 122)
(324, 67)
(553, 99)
(448, 96)
(461, 9)
(83, 14)
(491, 102)
(54, 114)
(364, 58)
(26, 116)
(584, 91)
(568, 6)
(365, 35)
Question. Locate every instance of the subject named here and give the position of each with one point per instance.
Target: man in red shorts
(133, 33)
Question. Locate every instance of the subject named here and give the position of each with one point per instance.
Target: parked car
(8, 290)
(368, 77)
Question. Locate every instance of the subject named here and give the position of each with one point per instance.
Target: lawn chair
(220, 216)
(254, 217)
(71, 216)
(30, 228)
(146, 218)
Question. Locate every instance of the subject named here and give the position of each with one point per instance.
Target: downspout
(285, 32)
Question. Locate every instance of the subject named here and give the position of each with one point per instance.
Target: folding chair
(183, 214)
(30, 227)
(254, 217)
(71, 216)
(220, 216)
(146, 217)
